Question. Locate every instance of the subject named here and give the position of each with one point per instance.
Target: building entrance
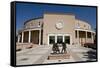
(56, 38)
(59, 39)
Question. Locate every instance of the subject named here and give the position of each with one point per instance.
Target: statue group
(56, 48)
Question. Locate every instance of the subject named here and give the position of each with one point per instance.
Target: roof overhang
(85, 30)
(29, 29)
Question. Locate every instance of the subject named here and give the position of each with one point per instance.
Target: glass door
(59, 39)
(67, 39)
(51, 39)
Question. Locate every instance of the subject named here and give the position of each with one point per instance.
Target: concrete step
(58, 56)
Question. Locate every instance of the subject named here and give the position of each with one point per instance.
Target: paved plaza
(39, 55)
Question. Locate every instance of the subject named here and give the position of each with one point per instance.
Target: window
(82, 34)
(78, 25)
(51, 39)
(76, 33)
(88, 34)
(88, 27)
(39, 23)
(59, 39)
(67, 39)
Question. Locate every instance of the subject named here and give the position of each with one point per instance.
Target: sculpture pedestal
(58, 56)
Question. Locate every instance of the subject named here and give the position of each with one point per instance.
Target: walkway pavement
(38, 55)
(80, 53)
(77, 53)
(35, 55)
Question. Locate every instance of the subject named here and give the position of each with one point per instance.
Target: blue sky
(26, 11)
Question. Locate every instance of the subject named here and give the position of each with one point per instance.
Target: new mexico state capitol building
(56, 27)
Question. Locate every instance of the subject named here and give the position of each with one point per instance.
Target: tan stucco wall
(33, 23)
(83, 25)
(50, 21)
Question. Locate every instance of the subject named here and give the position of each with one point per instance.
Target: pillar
(22, 37)
(78, 36)
(18, 38)
(86, 37)
(92, 37)
(29, 37)
(40, 37)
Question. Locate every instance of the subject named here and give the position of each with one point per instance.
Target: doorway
(55, 38)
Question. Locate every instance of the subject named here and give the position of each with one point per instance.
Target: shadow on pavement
(91, 55)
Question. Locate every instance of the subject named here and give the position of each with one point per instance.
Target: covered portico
(84, 36)
(31, 35)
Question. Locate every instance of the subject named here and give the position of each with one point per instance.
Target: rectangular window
(67, 39)
(88, 34)
(59, 39)
(82, 34)
(76, 34)
(51, 39)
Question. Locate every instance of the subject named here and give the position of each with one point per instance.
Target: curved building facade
(56, 27)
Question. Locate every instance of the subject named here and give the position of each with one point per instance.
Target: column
(40, 37)
(92, 37)
(29, 37)
(78, 36)
(86, 37)
(22, 37)
(18, 38)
